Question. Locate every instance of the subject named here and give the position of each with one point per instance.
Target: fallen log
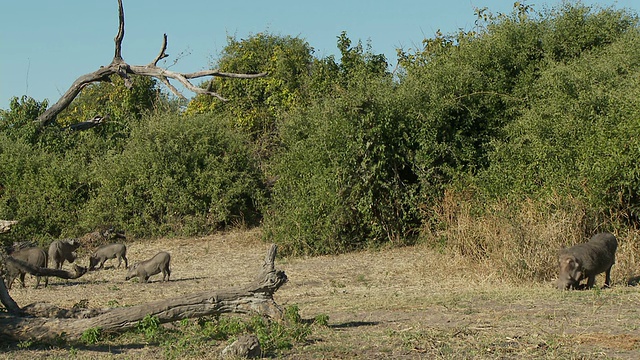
(77, 272)
(255, 298)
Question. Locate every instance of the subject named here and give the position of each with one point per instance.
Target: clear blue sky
(46, 45)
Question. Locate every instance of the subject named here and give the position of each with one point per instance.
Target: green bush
(580, 137)
(177, 175)
(44, 191)
(344, 175)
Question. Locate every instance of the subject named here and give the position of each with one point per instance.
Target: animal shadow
(634, 281)
(353, 324)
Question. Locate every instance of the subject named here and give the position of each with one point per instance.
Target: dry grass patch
(520, 242)
(404, 303)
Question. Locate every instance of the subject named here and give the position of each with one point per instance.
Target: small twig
(162, 53)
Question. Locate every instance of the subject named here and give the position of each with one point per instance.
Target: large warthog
(61, 250)
(106, 252)
(144, 269)
(34, 256)
(586, 260)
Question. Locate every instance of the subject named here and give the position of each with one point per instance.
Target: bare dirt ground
(406, 303)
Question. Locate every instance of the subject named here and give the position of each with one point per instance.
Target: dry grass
(521, 241)
(404, 303)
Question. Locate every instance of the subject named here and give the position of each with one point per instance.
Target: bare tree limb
(117, 57)
(6, 300)
(173, 89)
(77, 272)
(120, 67)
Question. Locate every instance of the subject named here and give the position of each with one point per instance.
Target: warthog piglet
(106, 252)
(61, 250)
(155, 265)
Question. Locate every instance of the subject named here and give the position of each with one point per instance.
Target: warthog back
(155, 265)
(106, 252)
(586, 260)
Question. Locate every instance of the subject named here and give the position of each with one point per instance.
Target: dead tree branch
(77, 272)
(120, 67)
(117, 57)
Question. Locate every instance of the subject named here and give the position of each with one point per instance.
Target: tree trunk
(256, 297)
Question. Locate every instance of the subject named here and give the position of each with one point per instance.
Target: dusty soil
(406, 303)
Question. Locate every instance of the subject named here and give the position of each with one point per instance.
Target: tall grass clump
(517, 240)
(539, 150)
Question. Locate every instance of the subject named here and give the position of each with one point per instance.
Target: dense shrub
(177, 176)
(460, 91)
(42, 190)
(256, 104)
(344, 175)
(580, 137)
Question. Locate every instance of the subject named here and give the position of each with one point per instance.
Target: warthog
(61, 250)
(144, 269)
(587, 260)
(106, 252)
(34, 256)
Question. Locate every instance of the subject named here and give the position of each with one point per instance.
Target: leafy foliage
(170, 176)
(91, 336)
(45, 191)
(177, 176)
(17, 122)
(113, 98)
(150, 327)
(256, 104)
(580, 136)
